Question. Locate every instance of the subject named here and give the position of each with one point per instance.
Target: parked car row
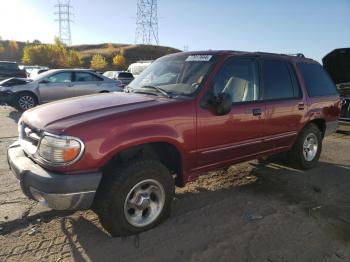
(11, 69)
(53, 85)
(185, 115)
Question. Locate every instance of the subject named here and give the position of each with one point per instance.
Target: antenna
(64, 19)
(146, 22)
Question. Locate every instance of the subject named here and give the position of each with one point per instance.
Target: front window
(175, 75)
(64, 77)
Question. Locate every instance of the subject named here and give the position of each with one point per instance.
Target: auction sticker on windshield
(198, 58)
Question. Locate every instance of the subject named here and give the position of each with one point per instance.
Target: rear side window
(277, 80)
(86, 77)
(317, 81)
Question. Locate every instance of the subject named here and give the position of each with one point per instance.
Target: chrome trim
(271, 138)
(230, 147)
(43, 161)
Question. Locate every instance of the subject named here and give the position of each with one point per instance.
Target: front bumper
(57, 191)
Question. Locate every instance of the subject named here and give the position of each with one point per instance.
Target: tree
(13, 45)
(98, 62)
(54, 55)
(13, 50)
(119, 62)
(74, 59)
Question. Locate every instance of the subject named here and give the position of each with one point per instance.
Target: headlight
(59, 151)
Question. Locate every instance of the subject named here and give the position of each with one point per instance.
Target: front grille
(29, 138)
(345, 109)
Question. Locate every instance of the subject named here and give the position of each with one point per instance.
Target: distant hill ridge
(132, 53)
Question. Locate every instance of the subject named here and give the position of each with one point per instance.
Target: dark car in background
(10, 69)
(124, 77)
(337, 63)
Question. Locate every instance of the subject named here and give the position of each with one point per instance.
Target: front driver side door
(237, 135)
(56, 86)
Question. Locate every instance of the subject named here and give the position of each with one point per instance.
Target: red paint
(108, 124)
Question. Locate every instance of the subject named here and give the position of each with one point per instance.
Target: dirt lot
(250, 212)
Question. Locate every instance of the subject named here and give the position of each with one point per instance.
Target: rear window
(125, 75)
(317, 81)
(8, 66)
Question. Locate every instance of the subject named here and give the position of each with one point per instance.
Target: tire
(25, 101)
(306, 157)
(122, 204)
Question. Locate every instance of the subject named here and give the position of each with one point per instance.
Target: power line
(64, 13)
(146, 22)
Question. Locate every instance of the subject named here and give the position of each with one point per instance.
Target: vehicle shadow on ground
(321, 193)
(15, 115)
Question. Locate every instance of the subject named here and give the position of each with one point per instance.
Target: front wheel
(25, 101)
(307, 148)
(135, 197)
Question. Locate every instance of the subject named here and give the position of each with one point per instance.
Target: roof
(291, 57)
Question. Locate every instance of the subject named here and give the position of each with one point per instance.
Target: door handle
(256, 111)
(301, 106)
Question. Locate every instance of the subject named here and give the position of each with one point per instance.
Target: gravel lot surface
(250, 212)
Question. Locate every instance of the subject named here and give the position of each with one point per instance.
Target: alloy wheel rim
(26, 102)
(144, 203)
(310, 147)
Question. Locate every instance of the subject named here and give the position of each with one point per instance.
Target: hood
(60, 115)
(337, 63)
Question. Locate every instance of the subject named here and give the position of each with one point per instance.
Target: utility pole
(147, 22)
(64, 13)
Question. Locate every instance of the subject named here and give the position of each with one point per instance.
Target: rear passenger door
(86, 83)
(285, 107)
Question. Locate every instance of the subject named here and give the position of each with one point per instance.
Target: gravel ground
(250, 212)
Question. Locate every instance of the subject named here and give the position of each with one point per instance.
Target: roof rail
(297, 55)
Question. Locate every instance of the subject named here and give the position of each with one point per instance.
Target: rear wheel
(307, 149)
(25, 101)
(135, 197)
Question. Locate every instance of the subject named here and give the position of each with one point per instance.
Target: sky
(311, 27)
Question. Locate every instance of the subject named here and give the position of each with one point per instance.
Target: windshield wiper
(160, 90)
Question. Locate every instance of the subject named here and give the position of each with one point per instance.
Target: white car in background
(138, 67)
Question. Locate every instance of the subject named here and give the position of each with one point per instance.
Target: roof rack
(297, 55)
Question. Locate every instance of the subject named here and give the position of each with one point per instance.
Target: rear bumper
(57, 191)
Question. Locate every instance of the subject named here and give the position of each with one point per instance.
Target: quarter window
(239, 78)
(277, 80)
(317, 81)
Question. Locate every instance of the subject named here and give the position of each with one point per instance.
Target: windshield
(176, 75)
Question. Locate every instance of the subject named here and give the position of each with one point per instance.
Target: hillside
(132, 53)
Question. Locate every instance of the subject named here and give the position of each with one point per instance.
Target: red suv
(188, 113)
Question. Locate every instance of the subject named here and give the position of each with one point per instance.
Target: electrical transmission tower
(146, 22)
(64, 13)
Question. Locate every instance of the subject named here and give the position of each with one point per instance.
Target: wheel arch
(165, 152)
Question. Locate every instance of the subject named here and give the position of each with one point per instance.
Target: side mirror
(44, 81)
(220, 104)
(223, 104)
